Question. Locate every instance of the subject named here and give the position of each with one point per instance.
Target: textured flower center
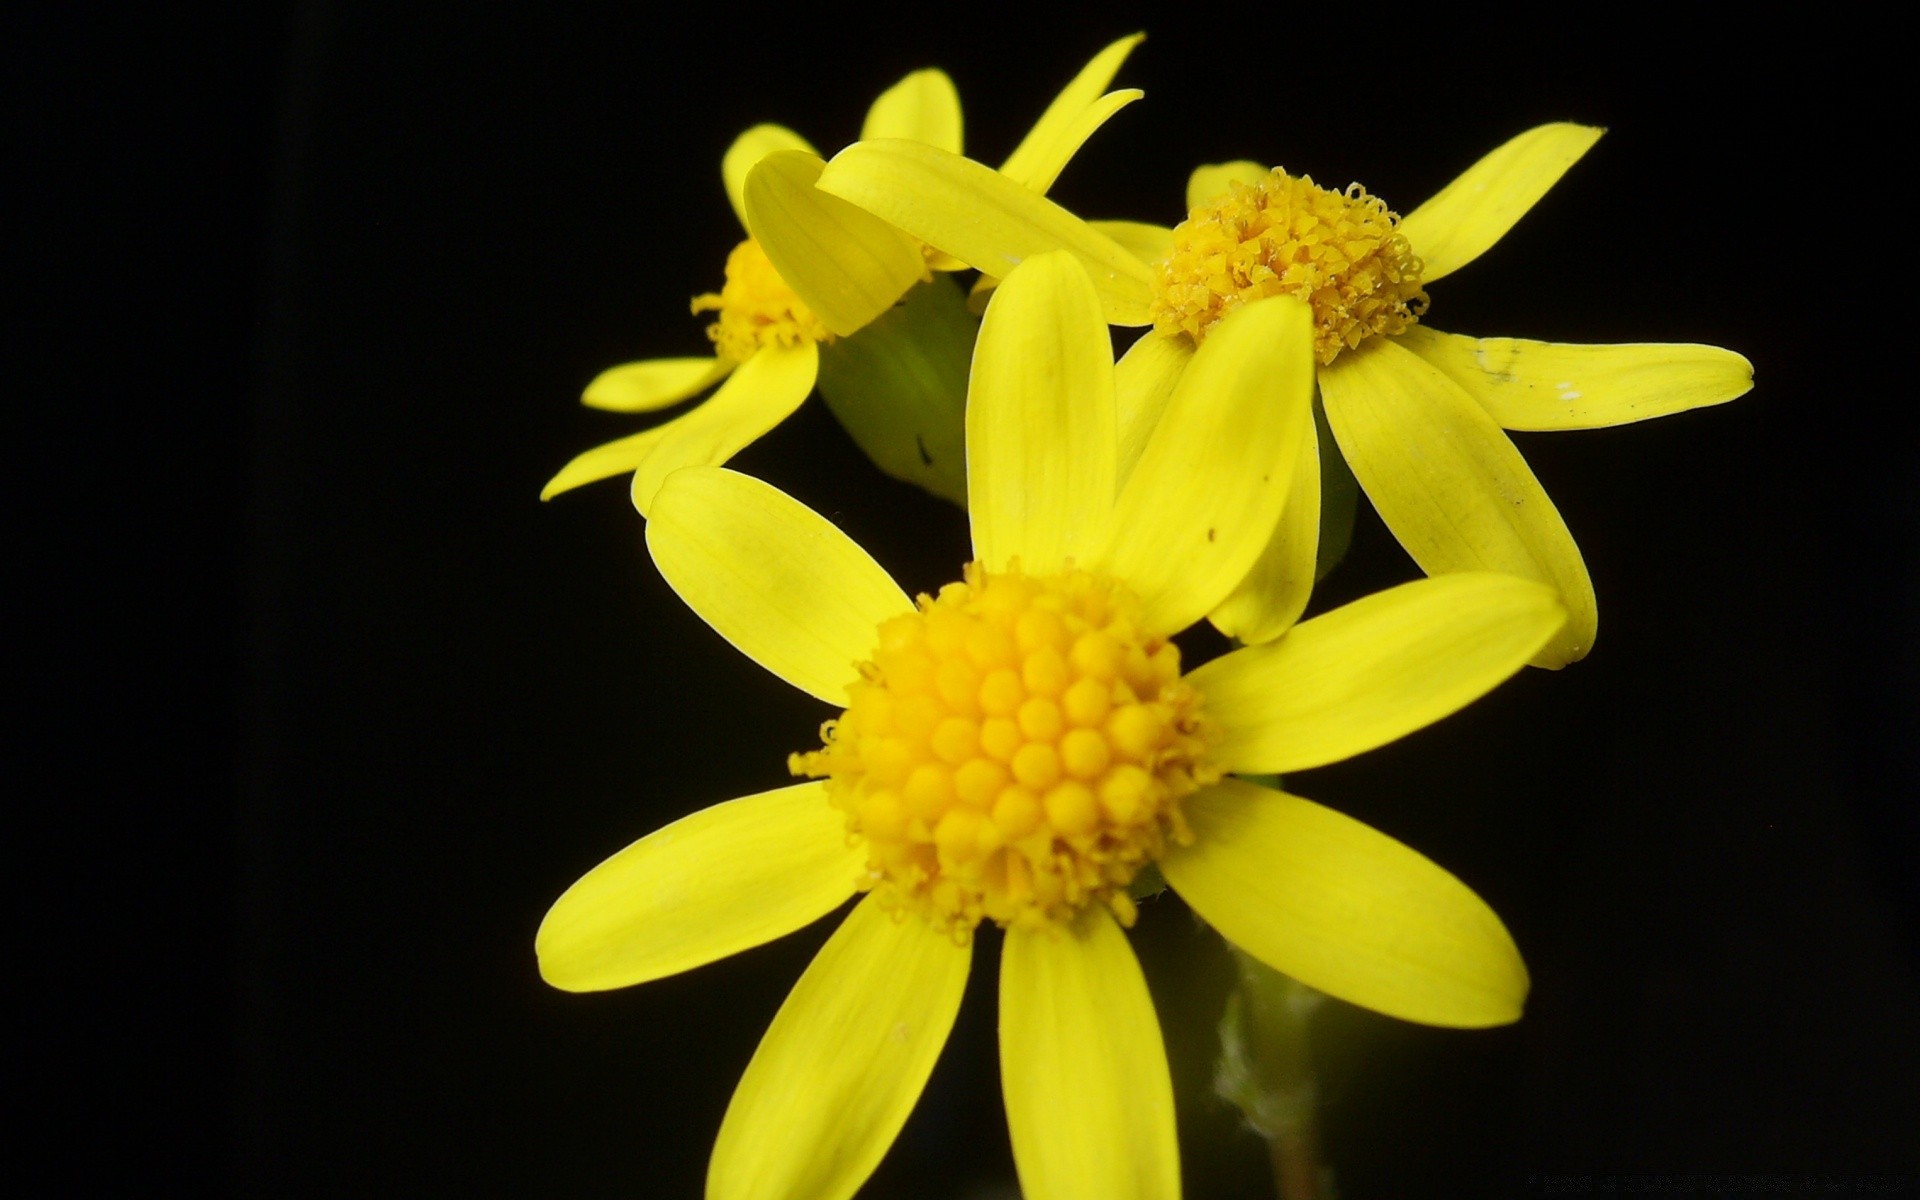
(1016, 750)
(757, 308)
(1338, 251)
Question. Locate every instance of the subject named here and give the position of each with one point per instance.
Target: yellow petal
(1143, 382)
(1040, 436)
(1082, 1066)
(747, 150)
(614, 458)
(772, 576)
(843, 1062)
(1450, 484)
(983, 218)
(1201, 503)
(1373, 670)
(653, 384)
(1473, 212)
(1551, 385)
(1075, 113)
(924, 107)
(849, 266)
(1274, 593)
(1147, 242)
(761, 393)
(1345, 909)
(723, 880)
(1211, 181)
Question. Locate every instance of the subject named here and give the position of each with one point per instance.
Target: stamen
(757, 308)
(1016, 750)
(1339, 252)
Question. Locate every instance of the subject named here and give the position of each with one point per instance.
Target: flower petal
(1143, 382)
(849, 266)
(1211, 181)
(654, 383)
(1374, 670)
(772, 576)
(761, 393)
(1450, 484)
(723, 880)
(1346, 909)
(1148, 243)
(924, 107)
(1070, 120)
(1083, 1068)
(1275, 591)
(1040, 438)
(1469, 215)
(1145, 241)
(1553, 385)
(843, 1062)
(613, 458)
(1201, 503)
(983, 218)
(747, 150)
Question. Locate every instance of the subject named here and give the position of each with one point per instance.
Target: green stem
(1266, 1069)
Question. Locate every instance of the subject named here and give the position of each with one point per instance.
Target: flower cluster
(1015, 749)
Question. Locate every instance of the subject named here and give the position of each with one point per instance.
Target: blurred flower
(1418, 414)
(1017, 747)
(812, 269)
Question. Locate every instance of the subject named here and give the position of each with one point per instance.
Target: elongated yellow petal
(772, 576)
(654, 383)
(924, 107)
(1473, 212)
(1450, 484)
(848, 265)
(747, 150)
(1211, 181)
(613, 458)
(1068, 122)
(1143, 382)
(1346, 909)
(1089, 1099)
(843, 1062)
(983, 218)
(1552, 385)
(1145, 241)
(1374, 670)
(1203, 499)
(1040, 439)
(723, 880)
(1275, 591)
(761, 393)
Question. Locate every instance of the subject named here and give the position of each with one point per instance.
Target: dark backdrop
(323, 707)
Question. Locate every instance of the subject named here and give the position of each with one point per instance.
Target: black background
(319, 707)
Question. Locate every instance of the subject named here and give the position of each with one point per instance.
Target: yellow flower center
(757, 308)
(1338, 251)
(1017, 750)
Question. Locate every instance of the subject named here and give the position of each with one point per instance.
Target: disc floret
(1016, 750)
(757, 309)
(1340, 252)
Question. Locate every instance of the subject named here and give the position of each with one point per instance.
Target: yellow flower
(1016, 747)
(1418, 414)
(811, 269)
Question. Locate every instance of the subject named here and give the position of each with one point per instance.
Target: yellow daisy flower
(812, 268)
(1418, 414)
(1018, 746)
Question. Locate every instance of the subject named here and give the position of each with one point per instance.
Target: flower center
(1338, 251)
(757, 308)
(1016, 750)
